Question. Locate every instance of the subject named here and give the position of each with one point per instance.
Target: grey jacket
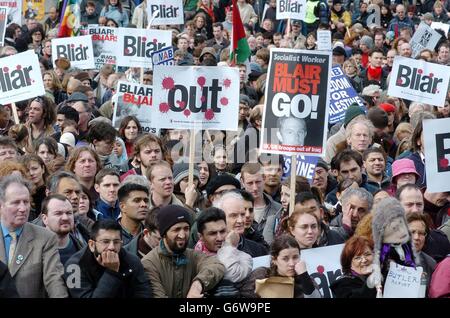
(272, 207)
(36, 269)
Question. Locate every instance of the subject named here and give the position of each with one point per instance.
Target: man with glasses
(104, 269)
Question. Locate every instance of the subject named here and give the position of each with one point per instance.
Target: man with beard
(103, 269)
(174, 270)
(375, 164)
(57, 216)
(134, 206)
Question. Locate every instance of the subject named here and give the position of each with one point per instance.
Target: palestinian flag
(240, 51)
(70, 23)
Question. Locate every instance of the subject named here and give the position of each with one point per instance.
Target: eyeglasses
(360, 258)
(108, 242)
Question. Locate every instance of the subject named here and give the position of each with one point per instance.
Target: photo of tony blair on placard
(297, 97)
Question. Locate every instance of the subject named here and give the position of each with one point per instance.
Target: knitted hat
(388, 108)
(181, 170)
(370, 90)
(367, 41)
(321, 163)
(402, 166)
(378, 117)
(62, 63)
(339, 51)
(352, 111)
(170, 215)
(244, 99)
(221, 180)
(428, 16)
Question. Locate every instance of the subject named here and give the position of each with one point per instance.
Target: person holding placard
(288, 270)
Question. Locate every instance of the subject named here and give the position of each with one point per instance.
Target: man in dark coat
(7, 286)
(104, 269)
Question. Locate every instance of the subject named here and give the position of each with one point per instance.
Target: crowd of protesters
(90, 211)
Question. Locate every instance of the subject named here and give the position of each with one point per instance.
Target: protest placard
(436, 134)
(188, 97)
(135, 46)
(132, 99)
(14, 11)
(3, 21)
(168, 11)
(78, 50)
(305, 166)
(33, 9)
(424, 38)
(163, 57)
(342, 95)
(291, 9)
(323, 265)
(20, 77)
(403, 282)
(295, 117)
(104, 43)
(419, 81)
(440, 26)
(324, 40)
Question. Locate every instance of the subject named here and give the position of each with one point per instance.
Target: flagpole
(149, 26)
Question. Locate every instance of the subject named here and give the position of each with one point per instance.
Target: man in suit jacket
(29, 250)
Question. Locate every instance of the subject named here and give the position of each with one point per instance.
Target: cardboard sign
(324, 40)
(295, 117)
(104, 43)
(190, 97)
(132, 99)
(305, 166)
(3, 21)
(163, 57)
(291, 9)
(342, 95)
(78, 50)
(20, 77)
(436, 134)
(168, 12)
(135, 46)
(440, 26)
(403, 282)
(14, 11)
(419, 81)
(424, 38)
(323, 265)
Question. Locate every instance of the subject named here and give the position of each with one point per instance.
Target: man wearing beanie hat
(353, 113)
(174, 270)
(322, 179)
(219, 184)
